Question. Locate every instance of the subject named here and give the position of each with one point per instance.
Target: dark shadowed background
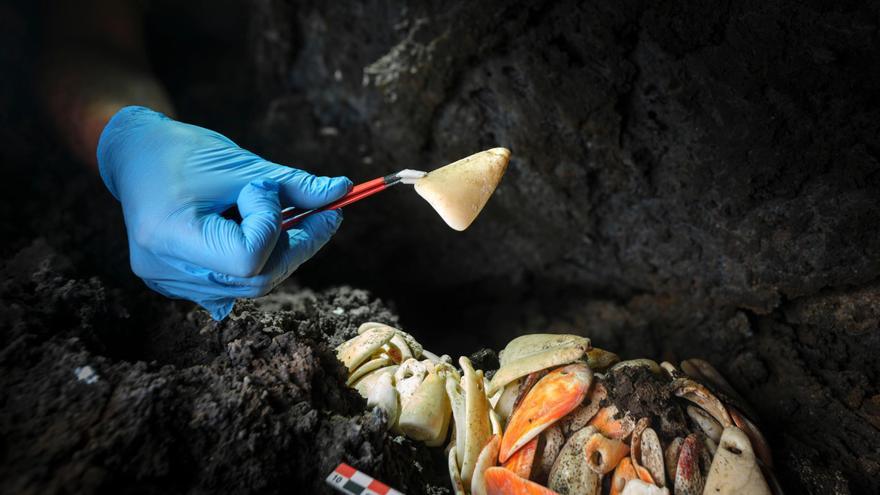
(688, 179)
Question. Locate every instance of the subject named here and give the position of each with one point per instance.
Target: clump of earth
(94, 403)
(645, 395)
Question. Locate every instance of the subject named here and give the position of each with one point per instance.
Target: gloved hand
(175, 179)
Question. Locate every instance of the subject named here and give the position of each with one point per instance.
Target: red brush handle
(363, 186)
(357, 193)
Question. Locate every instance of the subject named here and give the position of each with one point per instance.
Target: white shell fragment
(697, 393)
(366, 384)
(507, 399)
(535, 352)
(454, 472)
(584, 413)
(424, 416)
(478, 425)
(706, 422)
(384, 396)
(553, 441)
(359, 349)
(639, 487)
(638, 363)
(651, 456)
(460, 190)
(366, 368)
(571, 474)
(735, 469)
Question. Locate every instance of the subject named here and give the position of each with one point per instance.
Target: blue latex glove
(174, 180)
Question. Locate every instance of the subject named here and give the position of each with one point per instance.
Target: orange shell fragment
(613, 428)
(521, 461)
(554, 396)
(603, 453)
(500, 481)
(625, 472)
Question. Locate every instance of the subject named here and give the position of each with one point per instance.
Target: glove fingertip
(333, 188)
(219, 309)
(343, 183)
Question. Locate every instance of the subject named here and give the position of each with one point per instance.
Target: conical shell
(459, 191)
(735, 469)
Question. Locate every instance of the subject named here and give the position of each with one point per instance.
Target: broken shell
(626, 472)
(357, 350)
(759, 443)
(688, 477)
(522, 460)
(527, 346)
(425, 414)
(384, 396)
(735, 468)
(460, 190)
(368, 367)
(639, 487)
(500, 481)
(710, 427)
(476, 408)
(371, 324)
(603, 454)
(409, 376)
(488, 458)
(670, 457)
(456, 401)
(671, 370)
(455, 472)
(535, 352)
(495, 421)
(504, 406)
(613, 428)
(696, 392)
(552, 442)
(398, 344)
(635, 440)
(650, 364)
(600, 359)
(403, 342)
(651, 456)
(550, 399)
(444, 371)
(368, 381)
(570, 474)
(415, 348)
(435, 358)
(581, 416)
(710, 445)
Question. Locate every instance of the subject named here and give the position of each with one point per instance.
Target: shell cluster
(547, 422)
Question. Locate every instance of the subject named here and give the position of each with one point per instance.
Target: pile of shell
(561, 417)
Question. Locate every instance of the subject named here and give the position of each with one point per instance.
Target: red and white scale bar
(349, 480)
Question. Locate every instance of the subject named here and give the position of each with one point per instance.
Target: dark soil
(688, 180)
(642, 394)
(256, 403)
